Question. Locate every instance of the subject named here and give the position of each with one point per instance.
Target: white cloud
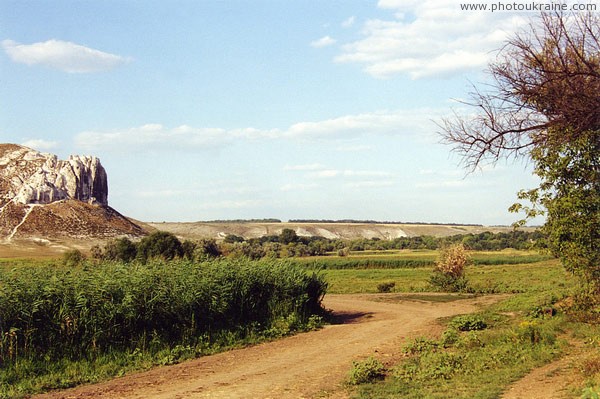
(428, 38)
(149, 137)
(40, 144)
(312, 166)
(325, 41)
(370, 184)
(299, 186)
(330, 173)
(355, 148)
(64, 56)
(382, 122)
(349, 22)
(156, 136)
(443, 184)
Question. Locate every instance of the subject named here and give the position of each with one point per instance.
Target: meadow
(480, 355)
(116, 318)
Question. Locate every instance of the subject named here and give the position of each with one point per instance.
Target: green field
(528, 328)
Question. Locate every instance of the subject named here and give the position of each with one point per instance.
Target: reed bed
(54, 312)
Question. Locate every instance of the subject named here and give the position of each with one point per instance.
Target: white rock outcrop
(31, 177)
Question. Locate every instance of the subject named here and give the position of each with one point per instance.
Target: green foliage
(288, 236)
(468, 323)
(366, 371)
(204, 248)
(64, 313)
(386, 287)
(160, 244)
(73, 257)
(232, 238)
(590, 393)
(449, 272)
(119, 250)
(570, 194)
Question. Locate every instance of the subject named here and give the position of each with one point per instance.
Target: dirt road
(307, 365)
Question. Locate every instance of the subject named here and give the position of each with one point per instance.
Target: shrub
(421, 345)
(160, 244)
(533, 333)
(386, 287)
(366, 371)
(120, 249)
(206, 248)
(590, 393)
(448, 274)
(73, 257)
(468, 323)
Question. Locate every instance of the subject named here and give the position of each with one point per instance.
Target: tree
(160, 244)
(288, 236)
(120, 249)
(544, 104)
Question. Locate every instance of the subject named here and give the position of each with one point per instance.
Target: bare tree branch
(546, 90)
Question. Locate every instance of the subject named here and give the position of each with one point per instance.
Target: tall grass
(57, 312)
(416, 259)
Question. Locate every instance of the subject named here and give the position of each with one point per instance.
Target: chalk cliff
(43, 196)
(31, 177)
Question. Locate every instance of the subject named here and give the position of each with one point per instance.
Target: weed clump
(386, 287)
(468, 323)
(366, 371)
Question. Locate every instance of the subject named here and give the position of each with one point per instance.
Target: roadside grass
(522, 332)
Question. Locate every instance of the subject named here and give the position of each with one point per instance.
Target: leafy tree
(545, 105)
(232, 238)
(208, 247)
(160, 244)
(288, 236)
(120, 249)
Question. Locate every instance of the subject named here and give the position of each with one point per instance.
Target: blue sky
(205, 110)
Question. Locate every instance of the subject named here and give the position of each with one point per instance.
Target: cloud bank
(64, 56)
(152, 137)
(428, 38)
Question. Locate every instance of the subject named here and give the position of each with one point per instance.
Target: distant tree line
(288, 244)
(267, 220)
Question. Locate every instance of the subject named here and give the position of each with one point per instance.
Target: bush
(366, 371)
(160, 244)
(120, 250)
(386, 287)
(468, 323)
(73, 257)
(448, 274)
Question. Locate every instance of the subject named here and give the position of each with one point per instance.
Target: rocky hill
(42, 197)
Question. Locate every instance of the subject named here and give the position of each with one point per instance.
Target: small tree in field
(449, 272)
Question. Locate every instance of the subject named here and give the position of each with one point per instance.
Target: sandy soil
(310, 365)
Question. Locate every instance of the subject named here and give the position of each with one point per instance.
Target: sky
(204, 110)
